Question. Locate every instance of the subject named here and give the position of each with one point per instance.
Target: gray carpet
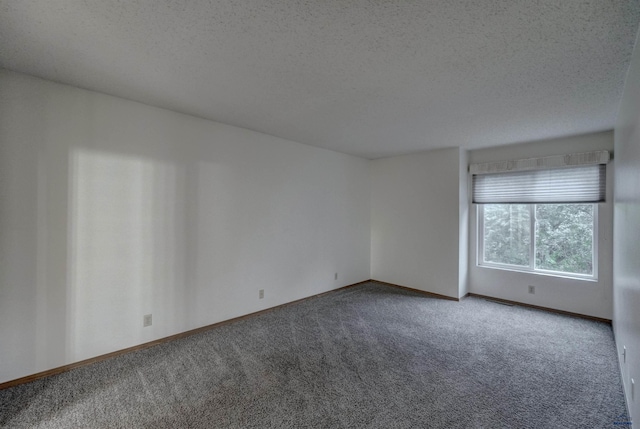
(370, 356)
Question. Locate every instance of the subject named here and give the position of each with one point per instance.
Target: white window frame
(480, 262)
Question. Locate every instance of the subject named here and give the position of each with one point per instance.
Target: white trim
(547, 162)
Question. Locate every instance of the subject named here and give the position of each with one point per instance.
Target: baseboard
(430, 294)
(69, 367)
(537, 307)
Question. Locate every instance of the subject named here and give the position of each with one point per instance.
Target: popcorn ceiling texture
(371, 78)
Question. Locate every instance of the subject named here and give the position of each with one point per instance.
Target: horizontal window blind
(584, 184)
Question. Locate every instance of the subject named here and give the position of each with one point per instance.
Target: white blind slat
(584, 184)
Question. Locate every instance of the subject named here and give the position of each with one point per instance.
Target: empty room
(299, 214)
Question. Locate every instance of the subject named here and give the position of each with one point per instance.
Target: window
(540, 214)
(556, 239)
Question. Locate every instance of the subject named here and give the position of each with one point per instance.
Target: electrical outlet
(532, 290)
(146, 320)
(261, 294)
(335, 276)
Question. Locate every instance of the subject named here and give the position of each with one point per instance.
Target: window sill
(538, 273)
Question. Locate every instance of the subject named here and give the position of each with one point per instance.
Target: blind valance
(544, 163)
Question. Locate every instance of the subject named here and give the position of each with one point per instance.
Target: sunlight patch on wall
(121, 225)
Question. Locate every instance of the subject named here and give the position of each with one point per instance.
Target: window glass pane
(507, 234)
(564, 238)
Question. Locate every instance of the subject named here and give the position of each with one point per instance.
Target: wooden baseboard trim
(429, 294)
(69, 367)
(537, 307)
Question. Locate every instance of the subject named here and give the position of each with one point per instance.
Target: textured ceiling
(367, 77)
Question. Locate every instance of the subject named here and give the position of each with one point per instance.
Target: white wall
(110, 210)
(415, 221)
(592, 298)
(626, 266)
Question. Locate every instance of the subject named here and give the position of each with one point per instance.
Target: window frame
(480, 262)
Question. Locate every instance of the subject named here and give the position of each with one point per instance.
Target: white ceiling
(368, 77)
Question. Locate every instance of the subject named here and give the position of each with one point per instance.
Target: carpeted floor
(370, 356)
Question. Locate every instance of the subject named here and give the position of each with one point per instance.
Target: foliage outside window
(551, 238)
